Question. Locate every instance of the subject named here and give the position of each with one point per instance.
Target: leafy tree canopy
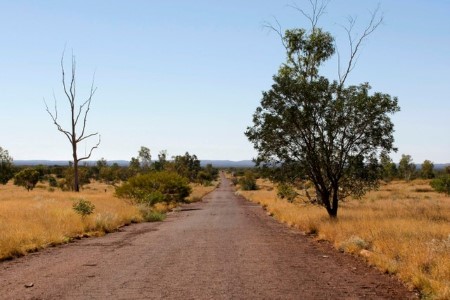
(330, 133)
(27, 178)
(6, 166)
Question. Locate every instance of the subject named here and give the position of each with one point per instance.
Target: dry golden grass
(36, 219)
(402, 229)
(199, 191)
(40, 218)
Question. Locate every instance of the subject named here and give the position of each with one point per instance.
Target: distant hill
(123, 163)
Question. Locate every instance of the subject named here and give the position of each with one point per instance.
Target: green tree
(28, 178)
(406, 167)
(187, 165)
(331, 132)
(161, 163)
(207, 174)
(134, 166)
(145, 158)
(389, 168)
(6, 166)
(427, 170)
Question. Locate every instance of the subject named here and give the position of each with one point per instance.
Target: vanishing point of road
(221, 248)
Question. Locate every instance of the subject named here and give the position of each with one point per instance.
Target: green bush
(52, 181)
(83, 207)
(248, 181)
(441, 184)
(153, 216)
(286, 191)
(28, 178)
(154, 187)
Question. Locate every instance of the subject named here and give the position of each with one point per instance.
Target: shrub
(248, 182)
(286, 191)
(83, 207)
(441, 184)
(151, 214)
(154, 187)
(28, 178)
(52, 181)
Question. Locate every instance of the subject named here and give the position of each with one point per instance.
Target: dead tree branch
(355, 42)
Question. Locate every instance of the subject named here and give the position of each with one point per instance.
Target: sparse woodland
(322, 146)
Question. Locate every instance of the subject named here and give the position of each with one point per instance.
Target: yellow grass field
(40, 218)
(199, 191)
(402, 229)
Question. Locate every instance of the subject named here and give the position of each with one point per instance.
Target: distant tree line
(186, 166)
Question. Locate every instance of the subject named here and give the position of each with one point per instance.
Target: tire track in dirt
(222, 248)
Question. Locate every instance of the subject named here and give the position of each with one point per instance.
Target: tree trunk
(334, 209)
(76, 185)
(331, 206)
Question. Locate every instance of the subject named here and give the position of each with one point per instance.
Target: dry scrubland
(41, 218)
(402, 229)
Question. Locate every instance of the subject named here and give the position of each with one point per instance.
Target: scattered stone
(29, 285)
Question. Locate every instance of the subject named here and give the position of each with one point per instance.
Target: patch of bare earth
(221, 248)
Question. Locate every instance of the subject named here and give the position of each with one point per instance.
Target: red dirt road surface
(221, 248)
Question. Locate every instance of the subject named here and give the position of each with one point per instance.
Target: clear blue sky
(188, 75)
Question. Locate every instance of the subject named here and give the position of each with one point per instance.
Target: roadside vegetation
(324, 144)
(403, 228)
(39, 206)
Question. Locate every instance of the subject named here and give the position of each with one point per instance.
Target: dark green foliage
(154, 187)
(111, 174)
(286, 191)
(187, 166)
(447, 170)
(161, 163)
(427, 170)
(388, 167)
(248, 181)
(6, 166)
(67, 183)
(207, 174)
(52, 182)
(322, 130)
(134, 166)
(28, 178)
(441, 184)
(83, 207)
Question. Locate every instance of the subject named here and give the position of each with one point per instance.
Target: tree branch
(54, 118)
(277, 30)
(355, 43)
(317, 11)
(92, 149)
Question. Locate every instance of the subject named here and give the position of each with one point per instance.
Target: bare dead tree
(78, 118)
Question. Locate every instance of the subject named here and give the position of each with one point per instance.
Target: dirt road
(222, 248)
